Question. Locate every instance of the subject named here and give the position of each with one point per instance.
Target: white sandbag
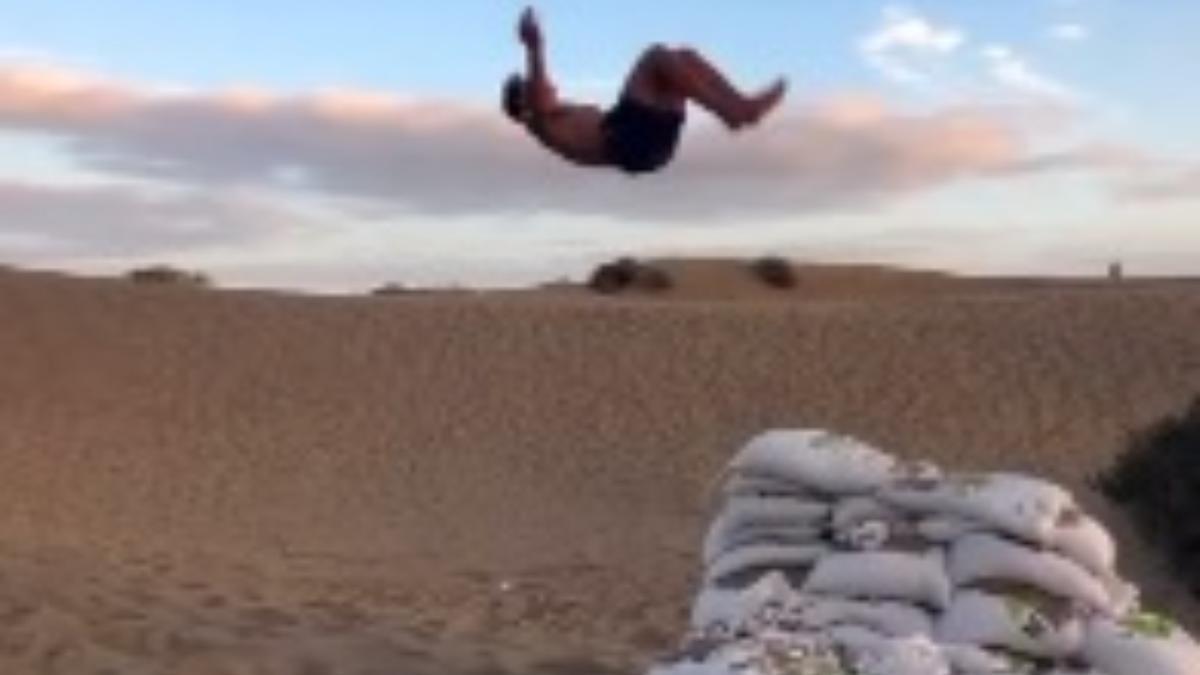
(863, 523)
(764, 557)
(855, 638)
(819, 460)
(982, 557)
(917, 472)
(751, 485)
(1140, 644)
(868, 535)
(941, 529)
(890, 619)
(766, 655)
(1083, 539)
(788, 654)
(722, 537)
(717, 607)
(988, 620)
(1126, 598)
(873, 654)
(880, 535)
(849, 511)
(966, 659)
(882, 575)
(1017, 505)
(972, 660)
(689, 668)
(903, 656)
(743, 511)
(730, 607)
(758, 514)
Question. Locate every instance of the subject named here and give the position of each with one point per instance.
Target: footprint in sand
(269, 616)
(335, 616)
(214, 601)
(192, 586)
(125, 615)
(257, 623)
(140, 596)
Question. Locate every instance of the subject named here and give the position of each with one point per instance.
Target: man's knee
(656, 55)
(656, 75)
(663, 62)
(686, 53)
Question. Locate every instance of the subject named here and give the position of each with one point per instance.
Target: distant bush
(612, 277)
(775, 272)
(390, 289)
(1158, 480)
(629, 274)
(167, 275)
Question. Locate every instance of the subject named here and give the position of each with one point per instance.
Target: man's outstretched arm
(543, 100)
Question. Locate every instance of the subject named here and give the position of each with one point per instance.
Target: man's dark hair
(514, 96)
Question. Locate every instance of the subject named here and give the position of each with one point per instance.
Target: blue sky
(460, 47)
(960, 100)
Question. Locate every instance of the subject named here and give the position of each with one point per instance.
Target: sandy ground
(234, 483)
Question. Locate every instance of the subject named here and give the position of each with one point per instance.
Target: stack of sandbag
(829, 556)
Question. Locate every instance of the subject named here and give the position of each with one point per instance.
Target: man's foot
(736, 120)
(765, 101)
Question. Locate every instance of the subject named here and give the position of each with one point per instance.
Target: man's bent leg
(668, 78)
(755, 106)
(651, 83)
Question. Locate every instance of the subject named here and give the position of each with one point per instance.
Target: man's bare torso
(575, 132)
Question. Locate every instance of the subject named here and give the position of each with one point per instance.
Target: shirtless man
(641, 133)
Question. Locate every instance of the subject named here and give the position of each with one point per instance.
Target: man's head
(513, 98)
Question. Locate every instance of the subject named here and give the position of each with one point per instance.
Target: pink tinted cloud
(444, 157)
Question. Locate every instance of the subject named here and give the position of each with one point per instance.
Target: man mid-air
(639, 134)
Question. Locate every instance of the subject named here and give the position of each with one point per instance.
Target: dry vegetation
(775, 272)
(628, 274)
(166, 275)
(1158, 479)
(391, 288)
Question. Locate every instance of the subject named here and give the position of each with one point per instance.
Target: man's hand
(529, 31)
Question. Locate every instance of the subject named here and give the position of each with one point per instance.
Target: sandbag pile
(830, 557)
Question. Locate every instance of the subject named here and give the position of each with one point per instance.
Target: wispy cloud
(1177, 183)
(901, 47)
(1007, 68)
(1070, 32)
(909, 49)
(1095, 156)
(406, 156)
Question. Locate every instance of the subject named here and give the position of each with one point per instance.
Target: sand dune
(195, 479)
